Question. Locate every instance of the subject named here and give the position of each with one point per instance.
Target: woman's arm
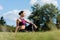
(17, 26)
(32, 24)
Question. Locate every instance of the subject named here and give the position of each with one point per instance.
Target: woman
(21, 22)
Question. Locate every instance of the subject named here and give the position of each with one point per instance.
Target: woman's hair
(21, 12)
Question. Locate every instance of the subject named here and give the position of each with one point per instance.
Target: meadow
(49, 35)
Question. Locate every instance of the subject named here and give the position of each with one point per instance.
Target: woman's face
(23, 14)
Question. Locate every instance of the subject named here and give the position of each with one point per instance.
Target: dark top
(23, 22)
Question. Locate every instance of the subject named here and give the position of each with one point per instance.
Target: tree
(58, 21)
(58, 18)
(43, 14)
(2, 21)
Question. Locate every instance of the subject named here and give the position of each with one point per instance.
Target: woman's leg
(16, 29)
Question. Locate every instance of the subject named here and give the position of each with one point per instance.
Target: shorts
(22, 30)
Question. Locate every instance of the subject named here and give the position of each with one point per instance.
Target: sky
(10, 8)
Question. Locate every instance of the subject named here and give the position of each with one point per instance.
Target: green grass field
(51, 35)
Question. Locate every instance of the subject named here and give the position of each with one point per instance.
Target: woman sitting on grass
(21, 23)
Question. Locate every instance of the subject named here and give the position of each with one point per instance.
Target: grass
(52, 35)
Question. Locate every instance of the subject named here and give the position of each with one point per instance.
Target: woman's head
(21, 13)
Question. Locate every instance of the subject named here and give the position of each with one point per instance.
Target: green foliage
(58, 18)
(43, 14)
(2, 21)
(58, 21)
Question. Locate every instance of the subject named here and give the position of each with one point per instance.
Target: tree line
(42, 16)
(4, 27)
